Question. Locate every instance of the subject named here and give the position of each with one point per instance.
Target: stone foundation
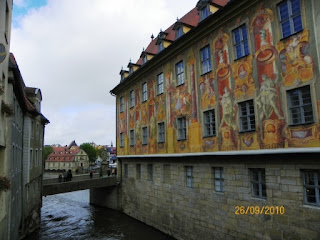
(200, 212)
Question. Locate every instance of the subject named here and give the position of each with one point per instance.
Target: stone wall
(201, 213)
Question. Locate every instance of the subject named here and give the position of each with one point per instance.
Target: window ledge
(314, 207)
(206, 73)
(285, 38)
(181, 140)
(301, 124)
(159, 94)
(242, 57)
(247, 131)
(180, 84)
(259, 199)
(209, 136)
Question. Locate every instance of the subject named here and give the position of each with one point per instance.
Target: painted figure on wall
(228, 109)
(208, 97)
(296, 60)
(227, 103)
(242, 73)
(267, 98)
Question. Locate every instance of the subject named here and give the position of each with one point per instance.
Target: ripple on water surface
(70, 216)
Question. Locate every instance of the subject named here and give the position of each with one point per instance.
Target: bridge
(53, 186)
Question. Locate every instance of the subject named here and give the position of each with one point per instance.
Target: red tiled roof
(63, 154)
(191, 18)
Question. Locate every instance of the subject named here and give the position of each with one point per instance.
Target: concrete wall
(105, 197)
(200, 212)
(63, 187)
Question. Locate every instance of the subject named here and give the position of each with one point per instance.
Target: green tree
(90, 150)
(47, 150)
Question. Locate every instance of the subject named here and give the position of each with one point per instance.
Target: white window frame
(182, 128)
(248, 117)
(160, 83)
(144, 135)
(132, 99)
(161, 132)
(180, 73)
(144, 92)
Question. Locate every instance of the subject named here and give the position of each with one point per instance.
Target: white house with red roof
(68, 157)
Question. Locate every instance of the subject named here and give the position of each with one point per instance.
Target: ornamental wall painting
(242, 74)
(207, 95)
(160, 116)
(296, 60)
(152, 118)
(267, 96)
(227, 102)
(194, 107)
(137, 129)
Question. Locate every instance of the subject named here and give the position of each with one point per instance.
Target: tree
(90, 150)
(47, 150)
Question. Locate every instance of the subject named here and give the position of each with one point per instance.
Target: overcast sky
(73, 51)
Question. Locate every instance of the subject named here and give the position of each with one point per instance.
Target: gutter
(230, 153)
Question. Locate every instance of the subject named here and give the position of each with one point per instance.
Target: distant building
(68, 157)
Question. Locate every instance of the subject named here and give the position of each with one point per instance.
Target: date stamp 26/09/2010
(259, 210)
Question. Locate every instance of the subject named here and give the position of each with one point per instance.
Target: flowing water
(70, 216)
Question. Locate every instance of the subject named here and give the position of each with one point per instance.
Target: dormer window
(161, 47)
(204, 12)
(179, 32)
(144, 59)
(130, 70)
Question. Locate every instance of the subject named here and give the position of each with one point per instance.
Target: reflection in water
(69, 216)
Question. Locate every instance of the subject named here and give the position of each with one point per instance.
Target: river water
(70, 216)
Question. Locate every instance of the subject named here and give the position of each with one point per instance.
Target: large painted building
(220, 114)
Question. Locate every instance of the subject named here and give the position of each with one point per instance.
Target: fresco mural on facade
(123, 123)
(160, 109)
(269, 110)
(242, 74)
(179, 106)
(137, 130)
(228, 107)
(296, 60)
(152, 118)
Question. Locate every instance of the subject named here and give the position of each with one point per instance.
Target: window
(132, 99)
(161, 47)
(204, 13)
(121, 104)
(125, 170)
(144, 92)
(311, 187)
(180, 74)
(179, 32)
(121, 140)
(247, 119)
(290, 17)
(166, 173)
(258, 182)
(145, 135)
(300, 106)
(205, 60)
(150, 172)
(131, 137)
(31, 158)
(160, 83)
(209, 123)
(218, 179)
(240, 38)
(182, 129)
(138, 171)
(144, 59)
(130, 70)
(189, 177)
(161, 133)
